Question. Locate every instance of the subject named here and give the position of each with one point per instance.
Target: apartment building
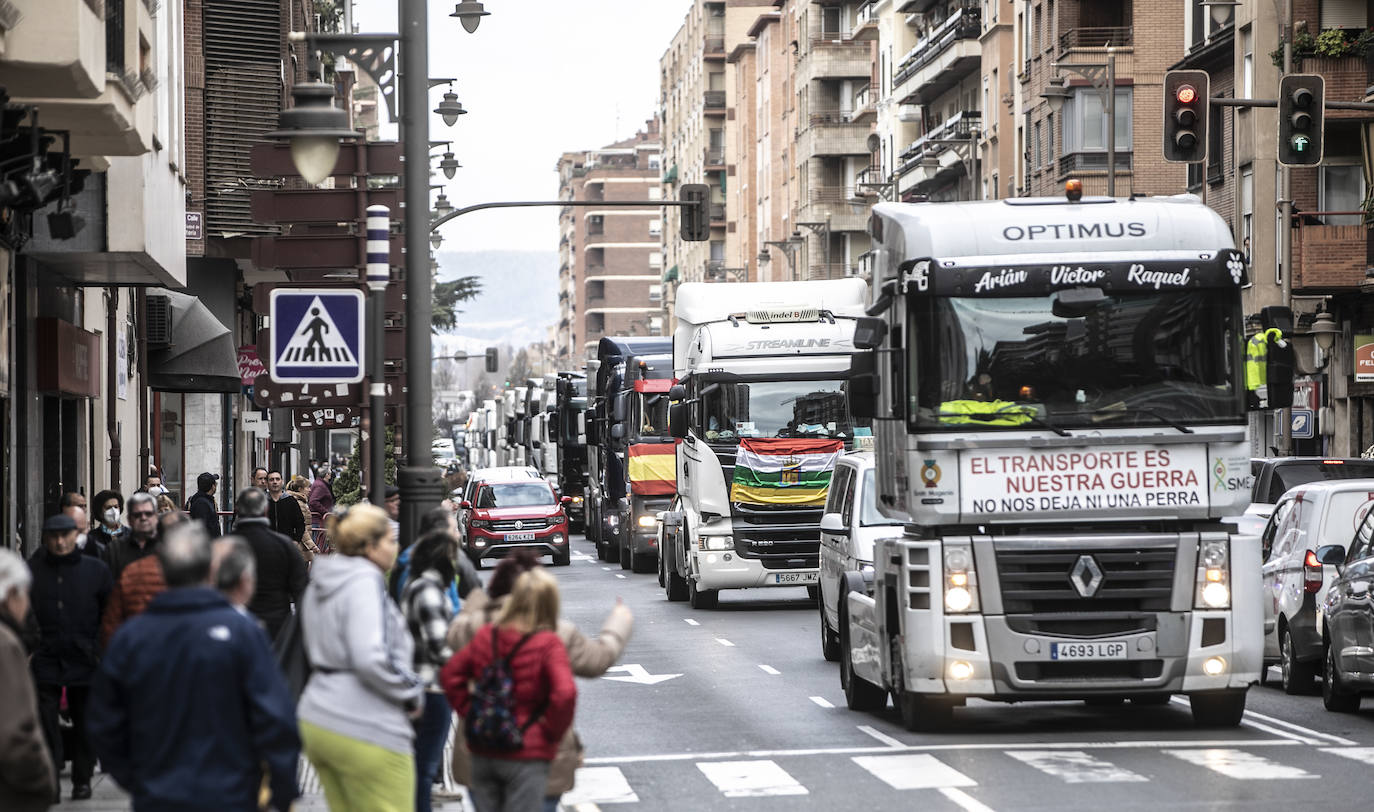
(611, 259)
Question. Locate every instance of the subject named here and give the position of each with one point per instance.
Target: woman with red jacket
(544, 695)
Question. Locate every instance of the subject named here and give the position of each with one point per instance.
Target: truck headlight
(961, 579)
(1213, 574)
(646, 521)
(713, 542)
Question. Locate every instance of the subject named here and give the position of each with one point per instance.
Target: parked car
(1348, 634)
(1272, 478)
(849, 527)
(512, 508)
(1306, 518)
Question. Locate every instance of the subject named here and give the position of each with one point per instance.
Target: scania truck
(1059, 404)
(761, 414)
(569, 418)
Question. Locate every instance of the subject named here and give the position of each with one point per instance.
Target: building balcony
(713, 45)
(865, 105)
(836, 56)
(845, 207)
(1327, 257)
(866, 26)
(1093, 39)
(717, 213)
(714, 157)
(946, 54)
(714, 101)
(56, 50)
(960, 126)
(829, 134)
(1077, 163)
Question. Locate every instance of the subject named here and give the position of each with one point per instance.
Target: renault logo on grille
(519, 525)
(1086, 576)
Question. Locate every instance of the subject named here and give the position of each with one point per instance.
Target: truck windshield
(1076, 361)
(736, 409)
(652, 414)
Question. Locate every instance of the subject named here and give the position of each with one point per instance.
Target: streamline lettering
(787, 343)
(1073, 231)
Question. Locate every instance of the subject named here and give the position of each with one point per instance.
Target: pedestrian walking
(134, 589)
(428, 611)
(321, 497)
(28, 778)
(393, 512)
(189, 711)
(281, 572)
(297, 490)
(466, 576)
(84, 543)
(543, 696)
(165, 505)
(69, 594)
(590, 657)
(106, 521)
(283, 514)
(142, 534)
(356, 709)
(234, 572)
(260, 478)
(202, 505)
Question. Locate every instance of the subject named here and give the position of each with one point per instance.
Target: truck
(760, 410)
(1059, 402)
(569, 419)
(620, 444)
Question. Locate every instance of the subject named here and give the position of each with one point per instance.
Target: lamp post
(378, 274)
(1102, 77)
(420, 482)
(822, 229)
(789, 248)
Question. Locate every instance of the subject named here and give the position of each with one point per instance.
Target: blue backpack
(490, 724)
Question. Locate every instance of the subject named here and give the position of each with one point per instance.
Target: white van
(1305, 519)
(849, 527)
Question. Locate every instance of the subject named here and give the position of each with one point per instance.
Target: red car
(502, 515)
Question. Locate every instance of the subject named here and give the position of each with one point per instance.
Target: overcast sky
(539, 77)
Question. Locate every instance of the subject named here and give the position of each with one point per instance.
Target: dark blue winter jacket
(189, 705)
(68, 594)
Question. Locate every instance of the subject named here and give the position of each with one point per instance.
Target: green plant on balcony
(1333, 43)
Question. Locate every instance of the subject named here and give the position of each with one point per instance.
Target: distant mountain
(519, 299)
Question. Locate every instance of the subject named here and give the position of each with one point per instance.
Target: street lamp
(442, 206)
(450, 109)
(450, 165)
(789, 249)
(313, 126)
(821, 229)
(470, 14)
(435, 240)
(1324, 329)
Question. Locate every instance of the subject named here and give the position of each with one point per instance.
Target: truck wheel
(1335, 696)
(642, 562)
(674, 585)
(1298, 677)
(626, 556)
(702, 598)
(922, 714)
(830, 642)
(859, 693)
(1218, 708)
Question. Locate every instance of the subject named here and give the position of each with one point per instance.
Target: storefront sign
(250, 365)
(1364, 358)
(68, 358)
(1004, 481)
(195, 225)
(327, 417)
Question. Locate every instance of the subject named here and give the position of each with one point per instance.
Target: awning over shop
(201, 356)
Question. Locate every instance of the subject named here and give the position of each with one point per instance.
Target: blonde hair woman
(355, 710)
(544, 695)
(299, 488)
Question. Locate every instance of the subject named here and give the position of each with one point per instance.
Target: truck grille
(1117, 579)
(782, 536)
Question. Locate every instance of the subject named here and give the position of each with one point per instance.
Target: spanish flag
(653, 469)
(784, 471)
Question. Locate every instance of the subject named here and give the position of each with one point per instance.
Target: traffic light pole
(526, 204)
(1286, 224)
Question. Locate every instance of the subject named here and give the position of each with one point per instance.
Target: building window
(1247, 207)
(655, 259)
(655, 293)
(1085, 124)
(655, 193)
(655, 161)
(1049, 139)
(655, 228)
(1215, 143)
(1036, 160)
(1247, 43)
(1340, 187)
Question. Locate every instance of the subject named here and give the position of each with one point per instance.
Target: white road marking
(880, 736)
(725, 642)
(1365, 754)
(606, 569)
(1240, 764)
(619, 575)
(690, 622)
(964, 800)
(1145, 744)
(750, 779)
(822, 701)
(583, 807)
(914, 771)
(634, 672)
(768, 669)
(599, 785)
(1306, 731)
(1075, 766)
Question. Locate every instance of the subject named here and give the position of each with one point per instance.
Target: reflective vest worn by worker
(1256, 355)
(977, 411)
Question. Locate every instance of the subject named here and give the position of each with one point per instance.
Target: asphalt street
(736, 709)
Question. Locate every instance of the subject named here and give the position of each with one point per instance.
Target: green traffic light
(1300, 143)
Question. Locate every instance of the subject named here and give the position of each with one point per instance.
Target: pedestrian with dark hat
(202, 506)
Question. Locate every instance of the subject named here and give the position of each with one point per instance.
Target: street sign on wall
(1304, 424)
(317, 335)
(1364, 357)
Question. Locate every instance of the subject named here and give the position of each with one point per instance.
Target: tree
(447, 296)
(348, 488)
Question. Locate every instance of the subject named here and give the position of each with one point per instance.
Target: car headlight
(556, 538)
(1213, 574)
(480, 523)
(577, 500)
(961, 579)
(646, 521)
(713, 542)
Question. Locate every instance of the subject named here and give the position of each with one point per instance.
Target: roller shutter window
(1344, 14)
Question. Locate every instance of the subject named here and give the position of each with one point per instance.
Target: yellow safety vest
(963, 411)
(1256, 353)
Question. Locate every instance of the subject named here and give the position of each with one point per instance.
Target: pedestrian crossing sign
(317, 335)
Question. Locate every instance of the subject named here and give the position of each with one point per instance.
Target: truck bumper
(1008, 663)
(727, 570)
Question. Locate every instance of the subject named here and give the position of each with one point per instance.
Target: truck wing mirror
(833, 524)
(677, 392)
(861, 389)
(677, 420)
(869, 333)
(618, 408)
(617, 431)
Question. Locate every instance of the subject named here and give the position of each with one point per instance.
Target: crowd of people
(195, 666)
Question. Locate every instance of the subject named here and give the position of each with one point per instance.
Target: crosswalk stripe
(1075, 766)
(600, 785)
(1365, 754)
(1240, 764)
(914, 771)
(750, 779)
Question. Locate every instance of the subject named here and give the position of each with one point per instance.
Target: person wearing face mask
(69, 594)
(142, 537)
(106, 525)
(84, 543)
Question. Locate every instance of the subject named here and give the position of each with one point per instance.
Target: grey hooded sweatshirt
(361, 653)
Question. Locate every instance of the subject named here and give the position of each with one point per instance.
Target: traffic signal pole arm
(525, 204)
(1368, 107)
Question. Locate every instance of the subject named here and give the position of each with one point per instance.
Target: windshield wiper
(1122, 411)
(1008, 414)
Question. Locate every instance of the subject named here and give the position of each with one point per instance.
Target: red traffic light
(1187, 94)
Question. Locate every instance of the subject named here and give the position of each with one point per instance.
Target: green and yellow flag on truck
(784, 471)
